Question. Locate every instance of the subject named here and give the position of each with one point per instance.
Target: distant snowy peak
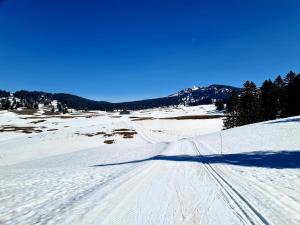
(185, 91)
(197, 94)
(194, 88)
(215, 88)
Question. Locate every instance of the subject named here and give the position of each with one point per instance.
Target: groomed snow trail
(172, 187)
(143, 181)
(167, 189)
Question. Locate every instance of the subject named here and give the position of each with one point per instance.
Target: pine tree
(5, 104)
(232, 106)
(293, 94)
(219, 105)
(297, 95)
(281, 96)
(36, 106)
(59, 107)
(268, 99)
(249, 110)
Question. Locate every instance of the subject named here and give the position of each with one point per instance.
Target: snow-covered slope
(162, 175)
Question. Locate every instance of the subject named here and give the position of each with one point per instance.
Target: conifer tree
(293, 94)
(281, 96)
(268, 99)
(249, 110)
(219, 105)
(232, 106)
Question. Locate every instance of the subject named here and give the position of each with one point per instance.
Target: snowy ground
(170, 172)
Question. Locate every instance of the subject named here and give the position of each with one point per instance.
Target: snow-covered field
(58, 170)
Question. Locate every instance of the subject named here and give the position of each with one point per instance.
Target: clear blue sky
(122, 50)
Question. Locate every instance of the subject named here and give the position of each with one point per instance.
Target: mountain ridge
(190, 96)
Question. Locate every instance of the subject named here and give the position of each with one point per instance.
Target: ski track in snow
(245, 210)
(124, 184)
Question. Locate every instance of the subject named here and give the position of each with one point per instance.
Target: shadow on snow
(285, 121)
(265, 159)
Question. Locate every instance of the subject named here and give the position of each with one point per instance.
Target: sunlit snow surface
(170, 172)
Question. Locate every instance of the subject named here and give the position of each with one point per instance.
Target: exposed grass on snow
(23, 129)
(126, 133)
(109, 142)
(193, 117)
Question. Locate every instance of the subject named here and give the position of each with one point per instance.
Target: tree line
(29, 100)
(274, 99)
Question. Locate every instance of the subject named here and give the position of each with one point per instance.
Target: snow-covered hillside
(162, 166)
(197, 94)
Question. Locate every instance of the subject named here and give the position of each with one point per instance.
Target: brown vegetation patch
(193, 117)
(135, 118)
(38, 121)
(24, 129)
(122, 129)
(52, 129)
(109, 142)
(25, 111)
(100, 133)
(126, 133)
(54, 115)
(128, 136)
(49, 113)
(93, 134)
(89, 135)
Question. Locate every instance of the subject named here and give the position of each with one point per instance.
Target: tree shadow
(265, 159)
(285, 121)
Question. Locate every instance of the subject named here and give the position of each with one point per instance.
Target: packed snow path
(175, 186)
(145, 181)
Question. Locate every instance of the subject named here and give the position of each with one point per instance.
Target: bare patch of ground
(23, 129)
(136, 118)
(126, 133)
(109, 142)
(49, 113)
(38, 121)
(25, 111)
(193, 117)
(115, 116)
(121, 130)
(93, 134)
